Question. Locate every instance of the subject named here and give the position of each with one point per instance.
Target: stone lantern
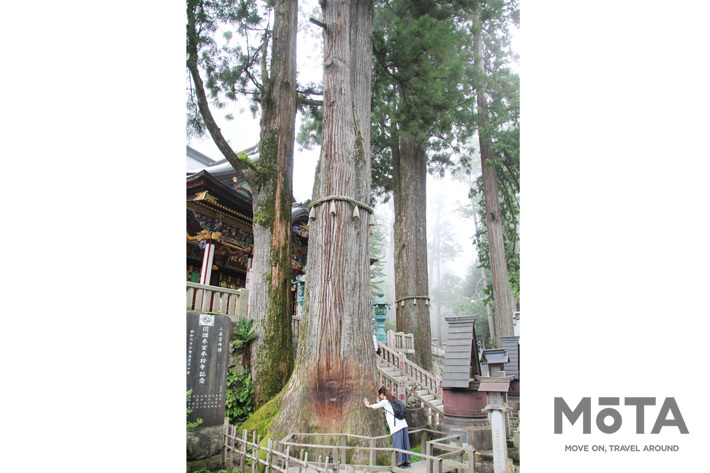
(380, 305)
(300, 284)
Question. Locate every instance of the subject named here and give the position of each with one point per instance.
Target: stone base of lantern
(476, 431)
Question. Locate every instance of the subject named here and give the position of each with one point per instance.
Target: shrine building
(219, 227)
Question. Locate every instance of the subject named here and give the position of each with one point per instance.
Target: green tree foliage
(502, 88)
(420, 63)
(239, 399)
(495, 20)
(230, 37)
(510, 208)
(310, 133)
(419, 67)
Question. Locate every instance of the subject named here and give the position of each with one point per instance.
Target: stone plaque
(207, 357)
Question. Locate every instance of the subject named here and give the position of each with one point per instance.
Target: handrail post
(255, 463)
(244, 452)
(344, 451)
(225, 433)
(471, 454)
(287, 458)
(372, 452)
(459, 454)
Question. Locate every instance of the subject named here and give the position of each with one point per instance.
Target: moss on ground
(261, 420)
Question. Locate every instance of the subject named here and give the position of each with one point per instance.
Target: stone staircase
(410, 382)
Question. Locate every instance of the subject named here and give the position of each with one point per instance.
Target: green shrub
(239, 399)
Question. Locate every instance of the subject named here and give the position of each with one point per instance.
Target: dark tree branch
(318, 23)
(310, 91)
(306, 101)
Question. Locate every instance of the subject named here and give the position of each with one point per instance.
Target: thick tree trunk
(271, 304)
(410, 255)
(335, 364)
(491, 324)
(494, 220)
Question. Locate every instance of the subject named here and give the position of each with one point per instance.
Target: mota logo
(668, 416)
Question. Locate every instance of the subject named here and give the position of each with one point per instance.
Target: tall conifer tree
(418, 71)
(271, 176)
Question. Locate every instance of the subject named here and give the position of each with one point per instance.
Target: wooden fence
(230, 302)
(219, 300)
(294, 454)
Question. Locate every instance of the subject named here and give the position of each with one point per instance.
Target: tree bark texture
(272, 192)
(409, 174)
(335, 366)
(491, 323)
(494, 220)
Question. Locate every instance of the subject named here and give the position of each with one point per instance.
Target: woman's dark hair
(387, 394)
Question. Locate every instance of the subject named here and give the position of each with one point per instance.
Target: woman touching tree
(399, 429)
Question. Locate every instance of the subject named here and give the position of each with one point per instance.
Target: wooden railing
(400, 341)
(437, 350)
(456, 456)
(421, 380)
(231, 302)
(295, 451)
(219, 300)
(513, 422)
(277, 458)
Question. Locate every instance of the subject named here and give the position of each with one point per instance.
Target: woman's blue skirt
(400, 439)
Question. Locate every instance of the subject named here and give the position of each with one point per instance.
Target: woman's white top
(394, 423)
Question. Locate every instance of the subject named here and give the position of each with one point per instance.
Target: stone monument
(207, 357)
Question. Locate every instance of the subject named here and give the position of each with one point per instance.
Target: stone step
(391, 371)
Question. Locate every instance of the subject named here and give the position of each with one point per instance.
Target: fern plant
(242, 334)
